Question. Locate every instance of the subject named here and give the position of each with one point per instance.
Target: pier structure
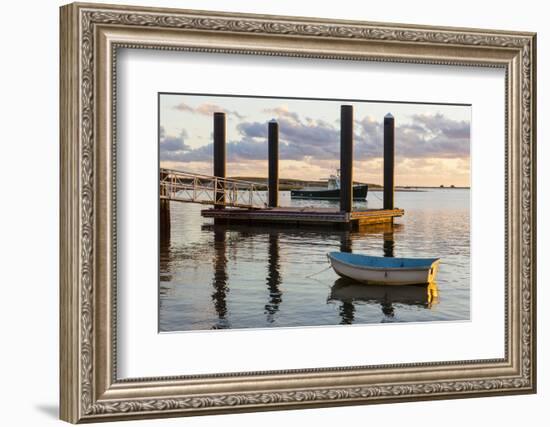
(180, 186)
(389, 161)
(346, 158)
(219, 158)
(242, 202)
(296, 217)
(273, 165)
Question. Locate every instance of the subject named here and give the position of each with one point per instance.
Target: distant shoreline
(287, 184)
(419, 189)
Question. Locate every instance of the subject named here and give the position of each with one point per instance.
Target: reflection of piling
(220, 274)
(273, 155)
(346, 158)
(389, 160)
(164, 241)
(219, 157)
(273, 277)
(345, 242)
(387, 308)
(164, 217)
(347, 313)
(389, 244)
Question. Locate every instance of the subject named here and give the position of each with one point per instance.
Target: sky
(432, 142)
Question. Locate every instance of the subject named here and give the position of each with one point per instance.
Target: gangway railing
(189, 187)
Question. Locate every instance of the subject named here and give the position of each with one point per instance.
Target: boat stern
(432, 273)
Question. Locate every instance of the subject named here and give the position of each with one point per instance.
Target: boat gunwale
(437, 261)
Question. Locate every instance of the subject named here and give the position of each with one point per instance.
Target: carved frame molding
(90, 37)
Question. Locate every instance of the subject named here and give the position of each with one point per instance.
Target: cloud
(434, 143)
(283, 111)
(252, 130)
(173, 144)
(207, 109)
(439, 124)
(182, 106)
(172, 147)
(368, 138)
(247, 149)
(311, 140)
(244, 149)
(297, 140)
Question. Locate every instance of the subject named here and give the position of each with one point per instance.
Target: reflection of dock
(291, 216)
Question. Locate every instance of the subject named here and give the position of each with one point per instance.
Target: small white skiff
(384, 270)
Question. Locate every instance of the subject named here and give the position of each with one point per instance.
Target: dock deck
(297, 216)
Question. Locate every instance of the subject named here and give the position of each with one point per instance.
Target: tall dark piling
(346, 158)
(389, 161)
(273, 155)
(219, 157)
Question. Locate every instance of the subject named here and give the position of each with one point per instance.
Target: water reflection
(219, 281)
(389, 243)
(241, 276)
(347, 313)
(221, 260)
(349, 293)
(273, 278)
(165, 254)
(273, 269)
(345, 241)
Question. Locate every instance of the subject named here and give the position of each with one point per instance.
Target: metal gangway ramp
(181, 186)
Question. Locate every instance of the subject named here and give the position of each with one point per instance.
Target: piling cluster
(346, 158)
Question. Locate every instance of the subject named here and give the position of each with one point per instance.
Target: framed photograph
(267, 212)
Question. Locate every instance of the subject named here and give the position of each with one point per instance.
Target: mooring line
(319, 272)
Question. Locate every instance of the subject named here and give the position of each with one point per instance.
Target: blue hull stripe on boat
(366, 261)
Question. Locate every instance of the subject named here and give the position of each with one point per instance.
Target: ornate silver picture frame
(91, 390)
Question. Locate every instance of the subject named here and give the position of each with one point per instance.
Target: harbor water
(233, 277)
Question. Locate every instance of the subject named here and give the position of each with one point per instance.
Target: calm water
(218, 277)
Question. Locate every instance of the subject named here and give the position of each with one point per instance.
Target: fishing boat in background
(331, 191)
(384, 270)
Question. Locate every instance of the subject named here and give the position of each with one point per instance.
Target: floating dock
(303, 216)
